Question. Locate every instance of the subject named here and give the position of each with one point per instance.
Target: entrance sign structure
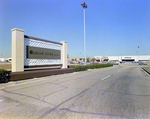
(29, 51)
(17, 50)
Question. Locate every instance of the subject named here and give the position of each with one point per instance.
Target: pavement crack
(10, 99)
(93, 113)
(125, 93)
(59, 85)
(29, 86)
(110, 86)
(56, 107)
(10, 92)
(53, 93)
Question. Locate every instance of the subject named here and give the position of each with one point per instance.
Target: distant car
(75, 62)
(115, 63)
(141, 63)
(71, 62)
(134, 62)
(105, 62)
(94, 62)
(88, 62)
(80, 62)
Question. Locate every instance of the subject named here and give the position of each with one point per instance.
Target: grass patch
(5, 65)
(147, 68)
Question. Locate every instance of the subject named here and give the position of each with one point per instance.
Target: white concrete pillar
(17, 50)
(64, 54)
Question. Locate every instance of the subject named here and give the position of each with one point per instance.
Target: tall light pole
(138, 53)
(84, 6)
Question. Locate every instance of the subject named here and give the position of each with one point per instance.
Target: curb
(13, 76)
(146, 71)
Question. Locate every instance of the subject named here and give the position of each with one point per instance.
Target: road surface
(118, 92)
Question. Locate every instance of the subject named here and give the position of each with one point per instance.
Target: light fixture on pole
(84, 6)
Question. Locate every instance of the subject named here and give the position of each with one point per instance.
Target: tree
(93, 59)
(72, 59)
(80, 58)
(105, 59)
(98, 60)
(88, 59)
(67, 56)
(75, 59)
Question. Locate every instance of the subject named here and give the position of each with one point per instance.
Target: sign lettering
(42, 53)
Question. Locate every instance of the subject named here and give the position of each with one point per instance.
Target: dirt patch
(5, 65)
(147, 68)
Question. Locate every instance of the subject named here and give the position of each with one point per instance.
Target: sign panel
(42, 53)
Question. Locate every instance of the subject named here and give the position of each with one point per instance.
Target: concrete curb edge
(146, 71)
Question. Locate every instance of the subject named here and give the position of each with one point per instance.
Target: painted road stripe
(1, 100)
(106, 77)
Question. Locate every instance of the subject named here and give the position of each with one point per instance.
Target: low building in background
(99, 58)
(126, 58)
(5, 59)
(81, 59)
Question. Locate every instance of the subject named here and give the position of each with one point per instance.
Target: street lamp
(84, 6)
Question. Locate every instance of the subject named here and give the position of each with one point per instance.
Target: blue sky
(113, 27)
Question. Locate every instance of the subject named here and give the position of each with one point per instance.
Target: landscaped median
(147, 69)
(89, 66)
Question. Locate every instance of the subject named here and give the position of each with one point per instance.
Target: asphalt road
(118, 92)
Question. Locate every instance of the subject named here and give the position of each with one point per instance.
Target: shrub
(3, 76)
(89, 66)
(78, 67)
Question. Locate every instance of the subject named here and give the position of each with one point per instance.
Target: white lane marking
(1, 100)
(106, 77)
